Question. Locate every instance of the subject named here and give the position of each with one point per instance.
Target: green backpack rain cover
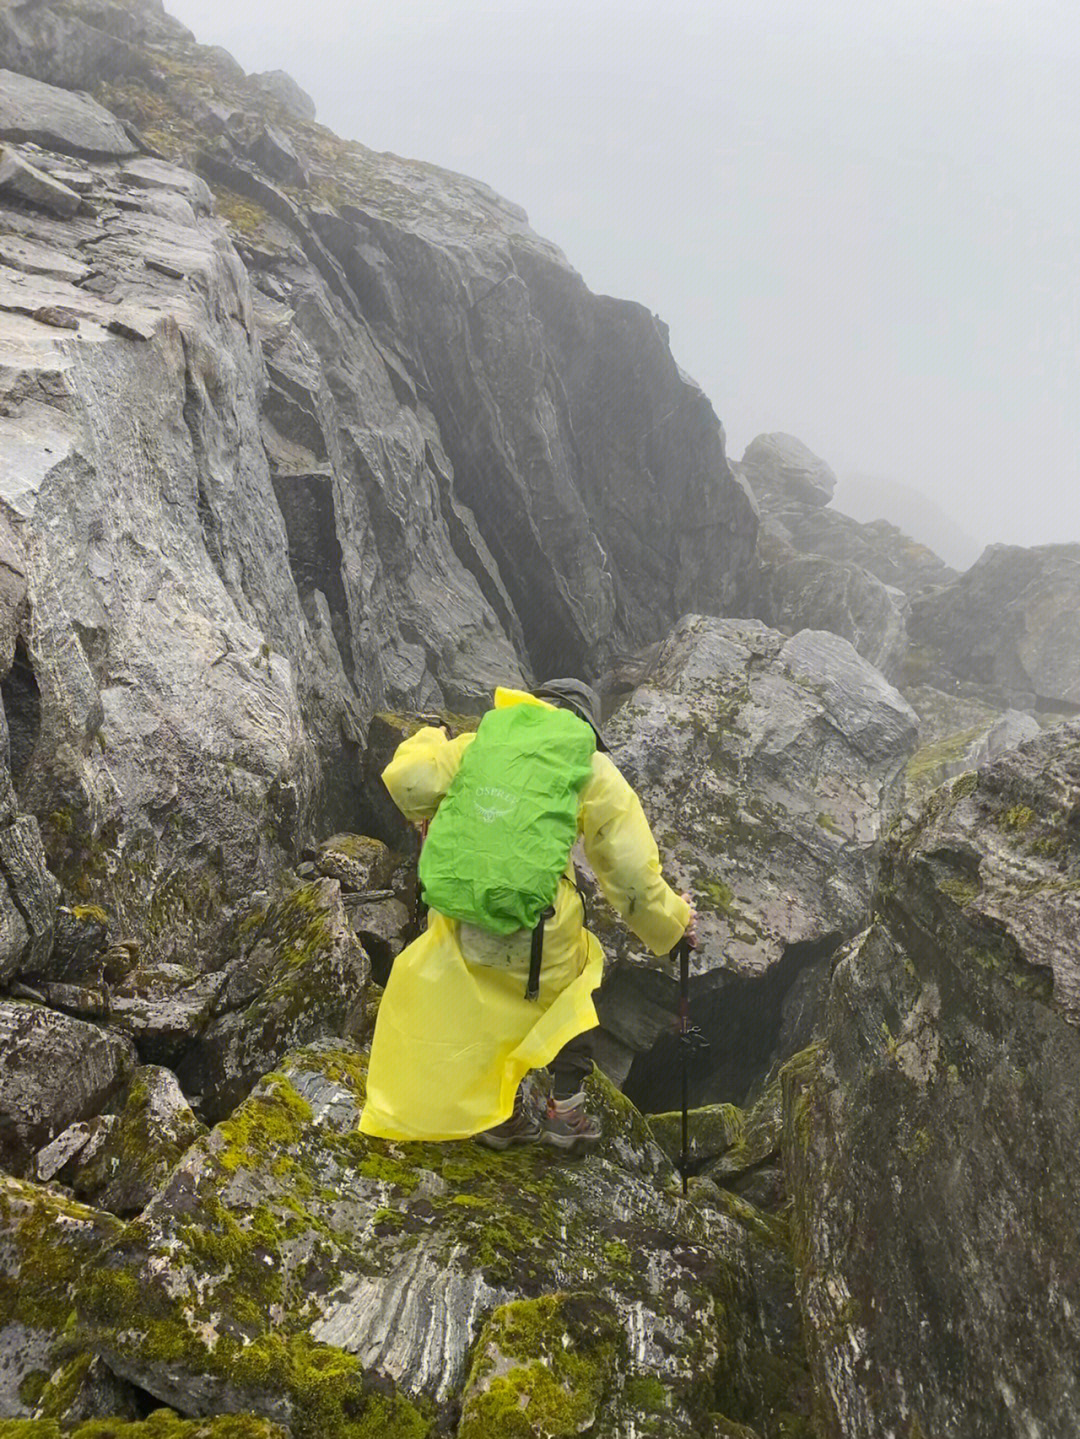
(503, 833)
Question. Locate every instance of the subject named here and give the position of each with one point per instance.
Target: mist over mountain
(872, 497)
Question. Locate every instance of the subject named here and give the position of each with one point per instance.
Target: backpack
(502, 835)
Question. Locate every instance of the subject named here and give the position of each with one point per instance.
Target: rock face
(53, 1071)
(58, 120)
(793, 487)
(300, 974)
(402, 1257)
(1000, 627)
(793, 591)
(369, 439)
(931, 1149)
(817, 569)
(769, 769)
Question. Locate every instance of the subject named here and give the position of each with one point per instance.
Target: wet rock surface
(941, 1112)
(435, 1237)
(53, 1070)
(770, 769)
(301, 447)
(299, 974)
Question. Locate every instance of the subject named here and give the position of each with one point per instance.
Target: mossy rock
(288, 1233)
(162, 1424)
(712, 1129)
(298, 974)
(46, 1243)
(156, 1126)
(542, 1368)
(360, 863)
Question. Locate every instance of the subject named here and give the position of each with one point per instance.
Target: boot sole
(501, 1145)
(570, 1143)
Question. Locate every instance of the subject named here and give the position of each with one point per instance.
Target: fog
(861, 221)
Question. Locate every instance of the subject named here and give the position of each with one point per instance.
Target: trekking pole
(691, 1040)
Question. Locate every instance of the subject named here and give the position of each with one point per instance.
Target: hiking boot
(566, 1125)
(522, 1127)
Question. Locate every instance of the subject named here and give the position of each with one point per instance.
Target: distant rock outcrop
(1008, 627)
(818, 569)
(780, 468)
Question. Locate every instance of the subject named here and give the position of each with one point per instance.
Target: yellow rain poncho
(455, 1035)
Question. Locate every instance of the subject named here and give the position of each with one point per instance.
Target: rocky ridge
(304, 446)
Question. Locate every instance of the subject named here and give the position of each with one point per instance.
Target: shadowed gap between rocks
(307, 507)
(22, 706)
(749, 1030)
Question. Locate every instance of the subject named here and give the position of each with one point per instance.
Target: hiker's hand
(690, 933)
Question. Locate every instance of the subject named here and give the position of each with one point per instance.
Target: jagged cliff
(299, 442)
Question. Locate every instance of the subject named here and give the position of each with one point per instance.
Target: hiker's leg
(571, 1065)
(566, 1123)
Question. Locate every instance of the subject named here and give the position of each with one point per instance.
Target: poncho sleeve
(421, 770)
(622, 851)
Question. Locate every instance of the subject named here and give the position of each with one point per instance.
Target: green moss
(164, 1424)
(965, 784)
(542, 1368)
(927, 766)
(270, 1121)
(63, 1388)
(90, 914)
(53, 1239)
(828, 823)
(1016, 818)
(646, 1394)
(244, 215)
(960, 891)
(31, 1388)
(720, 896)
(713, 1129)
(919, 1147)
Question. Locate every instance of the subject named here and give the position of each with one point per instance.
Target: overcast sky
(861, 220)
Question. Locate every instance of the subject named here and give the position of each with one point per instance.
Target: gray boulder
(54, 1070)
(280, 87)
(780, 468)
(154, 1128)
(794, 591)
(163, 1007)
(299, 974)
(386, 1265)
(931, 1144)
(999, 627)
(21, 181)
(46, 1242)
(770, 769)
(59, 119)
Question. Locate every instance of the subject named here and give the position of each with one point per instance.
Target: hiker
(501, 981)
